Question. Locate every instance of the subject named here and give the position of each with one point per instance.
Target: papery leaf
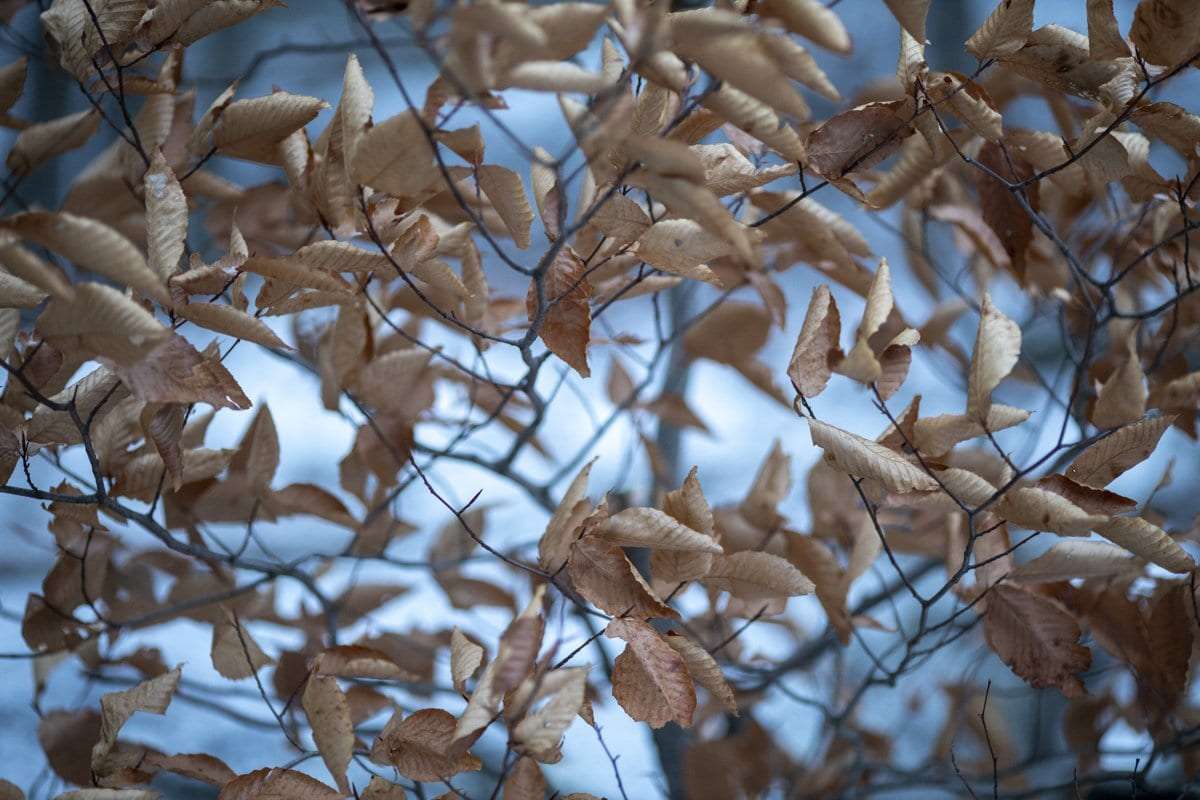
(1037, 638)
(235, 654)
(41, 142)
(418, 746)
(152, 696)
(540, 732)
(997, 348)
(1005, 30)
(606, 578)
(863, 458)
(268, 784)
(91, 245)
(703, 668)
(1104, 37)
(166, 217)
(649, 527)
(1147, 540)
(816, 351)
(561, 310)
(226, 319)
(1107, 459)
(466, 657)
(856, 140)
(1165, 31)
(752, 575)
(650, 679)
(1072, 558)
(328, 714)
(504, 189)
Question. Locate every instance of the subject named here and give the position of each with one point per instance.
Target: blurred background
(303, 49)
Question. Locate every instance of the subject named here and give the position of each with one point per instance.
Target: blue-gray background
(744, 423)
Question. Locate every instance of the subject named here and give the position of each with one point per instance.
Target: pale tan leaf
(1104, 461)
(525, 781)
(466, 657)
(28, 267)
(732, 333)
(703, 668)
(355, 661)
(295, 274)
(245, 125)
(1037, 638)
(151, 696)
(166, 217)
(752, 575)
(332, 256)
(354, 109)
(16, 293)
(1005, 30)
(621, 219)
(864, 458)
(197, 766)
(41, 142)
(1147, 540)
(812, 20)
(235, 654)
(1094, 501)
(482, 708)
(1165, 31)
(540, 733)
(93, 246)
(556, 76)
(506, 192)
(756, 119)
(1104, 37)
(997, 348)
(379, 789)
(911, 16)
(257, 454)
(649, 527)
(228, 320)
(937, 435)
(1122, 398)
(816, 351)
(175, 372)
(969, 102)
(395, 157)
(1075, 558)
(689, 507)
(328, 714)
(1038, 509)
(555, 545)
(100, 320)
(681, 247)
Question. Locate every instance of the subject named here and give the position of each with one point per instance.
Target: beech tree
(445, 302)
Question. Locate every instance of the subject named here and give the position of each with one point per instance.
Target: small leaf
(1005, 30)
(649, 527)
(328, 713)
(562, 310)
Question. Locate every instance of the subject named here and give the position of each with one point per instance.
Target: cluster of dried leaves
(377, 241)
